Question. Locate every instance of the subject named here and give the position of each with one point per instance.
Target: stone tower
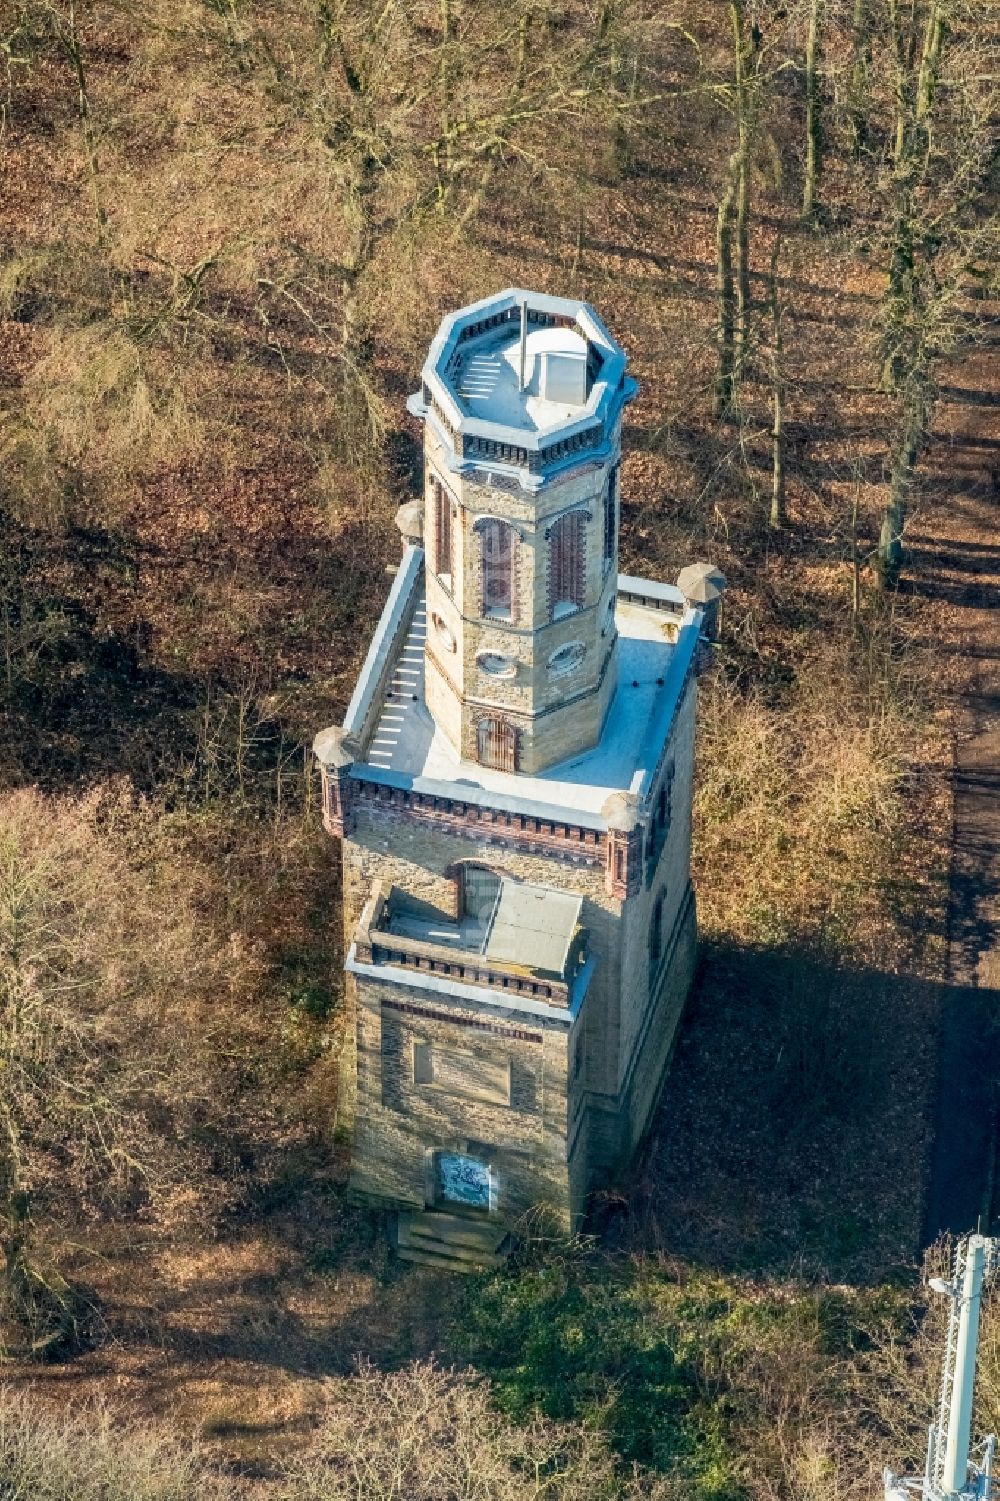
(512, 788)
(522, 400)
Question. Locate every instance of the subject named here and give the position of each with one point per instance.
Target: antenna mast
(955, 1468)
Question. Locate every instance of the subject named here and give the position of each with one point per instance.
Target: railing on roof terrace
(462, 965)
(374, 944)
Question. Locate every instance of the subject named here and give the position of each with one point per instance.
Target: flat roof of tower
(530, 926)
(488, 381)
(403, 747)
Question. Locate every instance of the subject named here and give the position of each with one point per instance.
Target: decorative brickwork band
(624, 847)
(338, 803)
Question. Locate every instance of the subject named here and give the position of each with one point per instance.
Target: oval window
(447, 639)
(496, 664)
(566, 658)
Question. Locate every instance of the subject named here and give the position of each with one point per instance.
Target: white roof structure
(402, 746)
(524, 382)
(488, 380)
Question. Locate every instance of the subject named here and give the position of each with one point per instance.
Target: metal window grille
(568, 561)
(496, 540)
(611, 515)
(442, 529)
(496, 744)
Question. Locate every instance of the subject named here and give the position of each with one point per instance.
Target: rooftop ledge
(399, 745)
(535, 408)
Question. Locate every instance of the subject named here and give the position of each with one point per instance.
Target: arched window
(663, 802)
(656, 933)
(497, 542)
(496, 744)
(443, 539)
(567, 564)
(610, 518)
(478, 889)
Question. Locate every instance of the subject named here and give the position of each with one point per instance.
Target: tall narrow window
(567, 564)
(665, 799)
(660, 824)
(442, 532)
(610, 517)
(656, 932)
(496, 540)
(496, 744)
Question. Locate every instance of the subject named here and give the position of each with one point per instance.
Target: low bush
(90, 1456)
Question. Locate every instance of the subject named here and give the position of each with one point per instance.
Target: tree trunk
(778, 512)
(902, 46)
(814, 112)
(16, 1290)
(743, 126)
(859, 98)
(899, 296)
(444, 150)
(889, 561)
(725, 334)
(68, 34)
(927, 78)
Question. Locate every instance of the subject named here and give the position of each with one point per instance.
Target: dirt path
(956, 555)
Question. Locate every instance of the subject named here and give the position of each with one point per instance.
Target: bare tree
(859, 86)
(778, 512)
(732, 235)
(814, 111)
(90, 961)
(421, 1433)
(725, 379)
(942, 229)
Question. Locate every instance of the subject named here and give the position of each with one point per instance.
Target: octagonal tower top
(524, 384)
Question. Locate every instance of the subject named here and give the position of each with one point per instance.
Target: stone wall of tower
(421, 861)
(670, 877)
(403, 1124)
(617, 1049)
(558, 715)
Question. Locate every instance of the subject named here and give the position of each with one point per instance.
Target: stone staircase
(433, 1238)
(407, 684)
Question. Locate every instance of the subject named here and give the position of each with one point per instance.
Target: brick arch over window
(567, 587)
(497, 743)
(498, 550)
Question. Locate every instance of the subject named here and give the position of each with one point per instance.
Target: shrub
(91, 1457)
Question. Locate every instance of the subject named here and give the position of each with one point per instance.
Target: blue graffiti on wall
(463, 1180)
